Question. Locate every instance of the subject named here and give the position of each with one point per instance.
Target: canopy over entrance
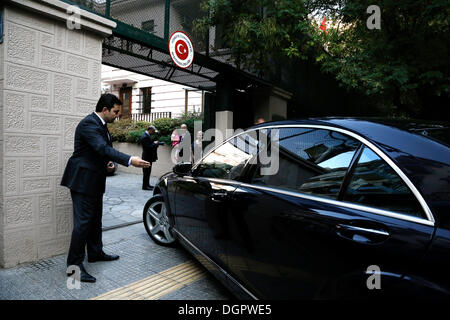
(140, 42)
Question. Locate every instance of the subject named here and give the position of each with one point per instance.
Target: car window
(312, 161)
(374, 183)
(228, 160)
(439, 133)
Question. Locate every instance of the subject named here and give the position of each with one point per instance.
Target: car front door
(202, 200)
(333, 213)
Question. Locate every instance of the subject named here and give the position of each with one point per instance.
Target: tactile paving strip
(157, 285)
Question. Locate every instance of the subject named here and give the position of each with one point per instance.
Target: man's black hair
(107, 100)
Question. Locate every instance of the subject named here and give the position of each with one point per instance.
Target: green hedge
(125, 130)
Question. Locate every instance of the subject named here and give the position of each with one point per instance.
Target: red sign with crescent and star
(181, 49)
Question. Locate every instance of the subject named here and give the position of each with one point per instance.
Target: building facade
(147, 95)
(50, 79)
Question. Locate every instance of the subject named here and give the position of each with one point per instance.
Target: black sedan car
(316, 209)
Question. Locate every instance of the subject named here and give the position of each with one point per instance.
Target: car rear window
(441, 134)
(375, 184)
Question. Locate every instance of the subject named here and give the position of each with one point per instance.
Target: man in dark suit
(85, 176)
(149, 153)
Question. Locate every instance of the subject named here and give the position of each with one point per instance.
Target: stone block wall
(49, 80)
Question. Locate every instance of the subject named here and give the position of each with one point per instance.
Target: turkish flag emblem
(181, 49)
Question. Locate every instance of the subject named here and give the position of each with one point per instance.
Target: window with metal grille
(146, 94)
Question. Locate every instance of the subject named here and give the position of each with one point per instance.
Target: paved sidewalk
(124, 199)
(141, 261)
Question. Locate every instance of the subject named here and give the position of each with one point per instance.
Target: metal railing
(150, 117)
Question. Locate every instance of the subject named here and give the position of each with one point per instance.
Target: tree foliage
(404, 63)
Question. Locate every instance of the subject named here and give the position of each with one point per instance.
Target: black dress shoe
(147, 188)
(103, 257)
(84, 276)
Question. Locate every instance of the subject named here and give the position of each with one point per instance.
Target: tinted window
(440, 133)
(228, 161)
(312, 161)
(374, 183)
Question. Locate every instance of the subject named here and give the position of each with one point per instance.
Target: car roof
(394, 137)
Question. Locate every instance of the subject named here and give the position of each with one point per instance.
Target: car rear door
(334, 211)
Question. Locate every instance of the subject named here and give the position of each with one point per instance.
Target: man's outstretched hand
(139, 163)
(110, 167)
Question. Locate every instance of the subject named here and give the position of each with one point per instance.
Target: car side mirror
(182, 169)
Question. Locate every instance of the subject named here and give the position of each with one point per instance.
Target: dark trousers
(87, 227)
(146, 178)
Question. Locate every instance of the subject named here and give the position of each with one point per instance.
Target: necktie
(105, 127)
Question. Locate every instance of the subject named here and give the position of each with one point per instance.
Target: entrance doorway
(125, 96)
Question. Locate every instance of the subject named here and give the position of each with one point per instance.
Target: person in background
(197, 147)
(149, 153)
(85, 176)
(260, 120)
(182, 132)
(177, 139)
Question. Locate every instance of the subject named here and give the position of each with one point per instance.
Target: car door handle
(219, 196)
(367, 235)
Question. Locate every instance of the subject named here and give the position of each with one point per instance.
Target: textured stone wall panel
(52, 78)
(64, 222)
(95, 78)
(39, 103)
(36, 185)
(62, 94)
(18, 211)
(60, 36)
(77, 65)
(2, 64)
(21, 44)
(32, 167)
(45, 123)
(20, 247)
(11, 177)
(69, 127)
(23, 145)
(46, 232)
(82, 88)
(1, 127)
(15, 111)
(47, 39)
(74, 40)
(52, 59)
(62, 194)
(1, 113)
(23, 17)
(92, 46)
(66, 156)
(26, 79)
(2, 245)
(54, 247)
(53, 148)
(2, 151)
(85, 107)
(46, 207)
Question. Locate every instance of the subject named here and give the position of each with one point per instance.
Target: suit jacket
(149, 147)
(86, 169)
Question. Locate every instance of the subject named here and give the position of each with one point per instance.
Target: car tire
(156, 222)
